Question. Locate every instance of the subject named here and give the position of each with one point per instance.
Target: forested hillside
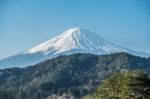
(72, 76)
(124, 85)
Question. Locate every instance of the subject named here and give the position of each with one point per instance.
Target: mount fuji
(74, 40)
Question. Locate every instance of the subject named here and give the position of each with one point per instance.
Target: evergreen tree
(124, 85)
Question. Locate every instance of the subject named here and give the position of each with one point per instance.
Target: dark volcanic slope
(76, 75)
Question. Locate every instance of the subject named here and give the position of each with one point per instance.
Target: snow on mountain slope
(74, 40)
(77, 39)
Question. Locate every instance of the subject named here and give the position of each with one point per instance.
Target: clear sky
(26, 23)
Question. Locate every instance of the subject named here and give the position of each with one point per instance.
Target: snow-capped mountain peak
(78, 39)
(74, 40)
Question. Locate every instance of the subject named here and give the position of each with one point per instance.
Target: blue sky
(26, 23)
